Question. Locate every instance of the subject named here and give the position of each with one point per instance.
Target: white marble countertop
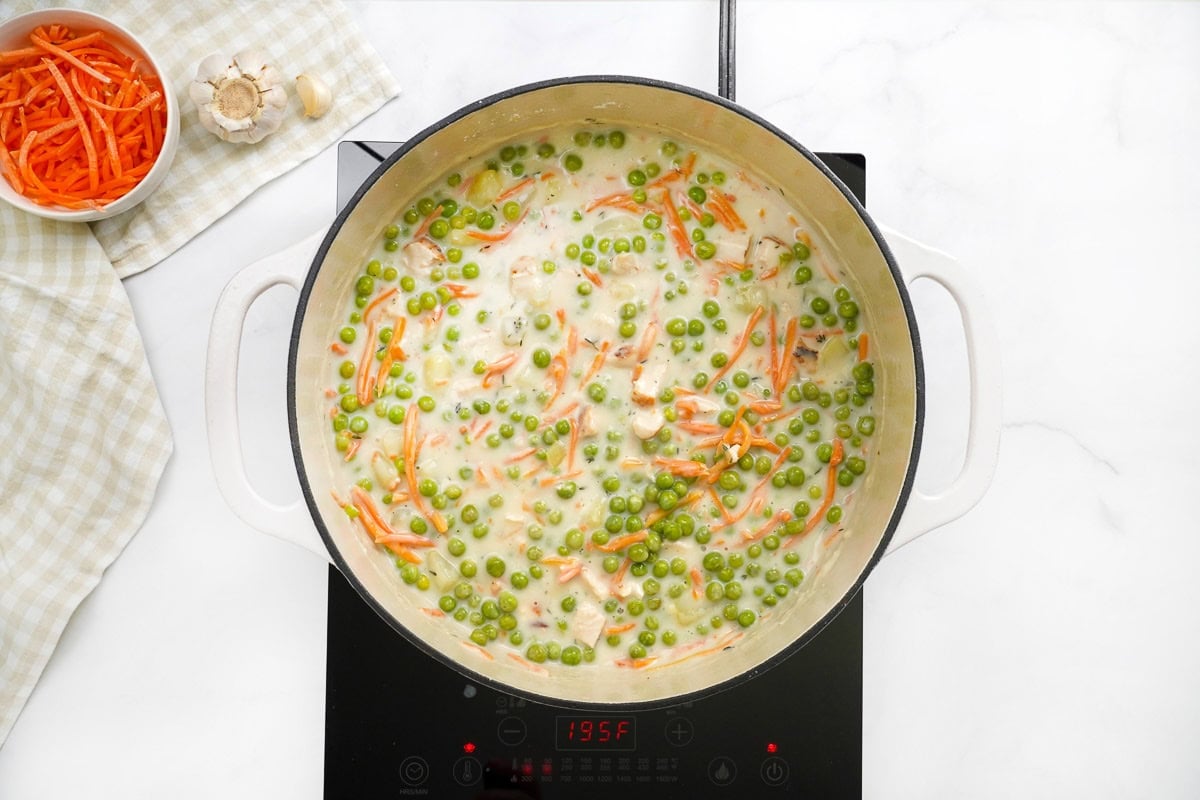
(1047, 644)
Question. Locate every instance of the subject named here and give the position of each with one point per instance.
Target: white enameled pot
(888, 511)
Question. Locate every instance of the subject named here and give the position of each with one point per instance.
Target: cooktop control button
(722, 770)
(774, 771)
(511, 731)
(414, 770)
(679, 731)
(467, 771)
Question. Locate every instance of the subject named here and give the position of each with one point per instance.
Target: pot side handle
(291, 522)
(924, 511)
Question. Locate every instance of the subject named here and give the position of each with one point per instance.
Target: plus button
(679, 731)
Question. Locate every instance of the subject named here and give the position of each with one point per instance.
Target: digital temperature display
(596, 733)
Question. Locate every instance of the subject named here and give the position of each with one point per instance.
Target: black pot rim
(459, 666)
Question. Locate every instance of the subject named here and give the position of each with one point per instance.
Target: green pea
(636, 177)
(566, 489)
(495, 566)
(819, 305)
(439, 228)
(511, 210)
(542, 357)
(652, 222)
(866, 425)
(486, 221)
(426, 403)
(572, 162)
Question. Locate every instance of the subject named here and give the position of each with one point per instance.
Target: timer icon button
(467, 771)
(774, 771)
(722, 770)
(414, 770)
(679, 731)
(511, 731)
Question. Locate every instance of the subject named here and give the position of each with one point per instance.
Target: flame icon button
(722, 771)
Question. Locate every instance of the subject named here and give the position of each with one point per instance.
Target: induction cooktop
(401, 724)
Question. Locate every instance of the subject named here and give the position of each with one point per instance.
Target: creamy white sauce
(577, 287)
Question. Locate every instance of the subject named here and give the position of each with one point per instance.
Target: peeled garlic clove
(240, 99)
(314, 94)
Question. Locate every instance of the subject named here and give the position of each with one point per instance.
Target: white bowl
(14, 33)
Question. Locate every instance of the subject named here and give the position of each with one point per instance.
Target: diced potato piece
(484, 188)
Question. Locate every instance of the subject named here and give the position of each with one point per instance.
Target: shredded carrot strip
(681, 466)
(621, 542)
(553, 479)
(614, 630)
(780, 516)
(725, 515)
(514, 189)
(481, 650)
(646, 345)
(379, 300)
(683, 171)
(69, 58)
(658, 513)
(863, 347)
(593, 276)
(623, 200)
(497, 367)
(636, 663)
(574, 445)
(683, 245)
(783, 371)
(597, 363)
(695, 653)
(723, 210)
(366, 382)
(830, 487)
(740, 348)
(700, 428)
(423, 228)
(459, 290)
(619, 576)
(498, 236)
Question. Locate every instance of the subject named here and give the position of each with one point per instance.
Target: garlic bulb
(240, 99)
(314, 94)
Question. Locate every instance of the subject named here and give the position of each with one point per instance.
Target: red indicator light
(772, 747)
(469, 747)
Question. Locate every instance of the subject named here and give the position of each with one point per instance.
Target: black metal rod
(726, 56)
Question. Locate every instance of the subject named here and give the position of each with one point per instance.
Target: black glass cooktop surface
(400, 724)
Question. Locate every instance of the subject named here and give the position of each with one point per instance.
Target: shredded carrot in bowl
(81, 121)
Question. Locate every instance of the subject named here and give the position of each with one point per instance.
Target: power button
(774, 771)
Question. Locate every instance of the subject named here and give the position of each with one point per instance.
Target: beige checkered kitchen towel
(84, 435)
